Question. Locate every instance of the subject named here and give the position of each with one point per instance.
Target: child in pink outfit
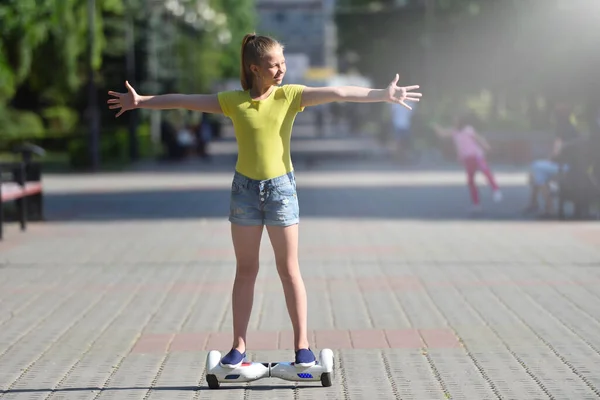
(470, 149)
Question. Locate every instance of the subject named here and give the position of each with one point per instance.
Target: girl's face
(272, 67)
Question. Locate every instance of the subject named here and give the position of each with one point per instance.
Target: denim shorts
(264, 202)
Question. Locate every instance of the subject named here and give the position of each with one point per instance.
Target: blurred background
(125, 274)
(512, 62)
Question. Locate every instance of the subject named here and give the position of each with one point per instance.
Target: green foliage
(196, 63)
(7, 77)
(44, 54)
(57, 40)
(241, 19)
(17, 122)
(114, 148)
(61, 118)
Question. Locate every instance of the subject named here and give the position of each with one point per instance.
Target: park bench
(20, 182)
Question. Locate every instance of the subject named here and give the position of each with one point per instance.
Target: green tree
(44, 52)
(43, 49)
(241, 19)
(211, 53)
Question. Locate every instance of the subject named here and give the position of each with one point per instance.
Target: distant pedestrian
(471, 149)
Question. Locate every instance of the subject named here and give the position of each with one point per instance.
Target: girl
(471, 148)
(263, 191)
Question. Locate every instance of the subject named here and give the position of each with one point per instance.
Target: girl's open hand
(124, 101)
(402, 94)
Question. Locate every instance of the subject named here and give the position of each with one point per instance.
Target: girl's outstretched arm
(208, 103)
(392, 94)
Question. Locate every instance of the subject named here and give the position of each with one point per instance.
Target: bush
(15, 123)
(114, 147)
(61, 119)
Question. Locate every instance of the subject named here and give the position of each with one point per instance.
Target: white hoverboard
(251, 371)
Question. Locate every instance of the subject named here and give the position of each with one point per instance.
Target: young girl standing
(263, 191)
(471, 148)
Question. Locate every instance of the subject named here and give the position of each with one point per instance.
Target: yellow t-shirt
(263, 129)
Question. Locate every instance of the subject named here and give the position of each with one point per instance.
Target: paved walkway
(122, 292)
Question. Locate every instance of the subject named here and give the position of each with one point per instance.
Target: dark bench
(20, 182)
(579, 184)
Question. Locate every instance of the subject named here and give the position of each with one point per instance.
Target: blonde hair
(254, 48)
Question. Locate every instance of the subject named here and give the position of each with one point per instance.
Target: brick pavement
(126, 287)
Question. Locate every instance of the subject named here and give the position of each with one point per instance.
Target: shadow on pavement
(417, 202)
(201, 387)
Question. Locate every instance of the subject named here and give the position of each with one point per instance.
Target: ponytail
(245, 73)
(254, 48)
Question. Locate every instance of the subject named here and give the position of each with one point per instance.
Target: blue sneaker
(233, 359)
(305, 358)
